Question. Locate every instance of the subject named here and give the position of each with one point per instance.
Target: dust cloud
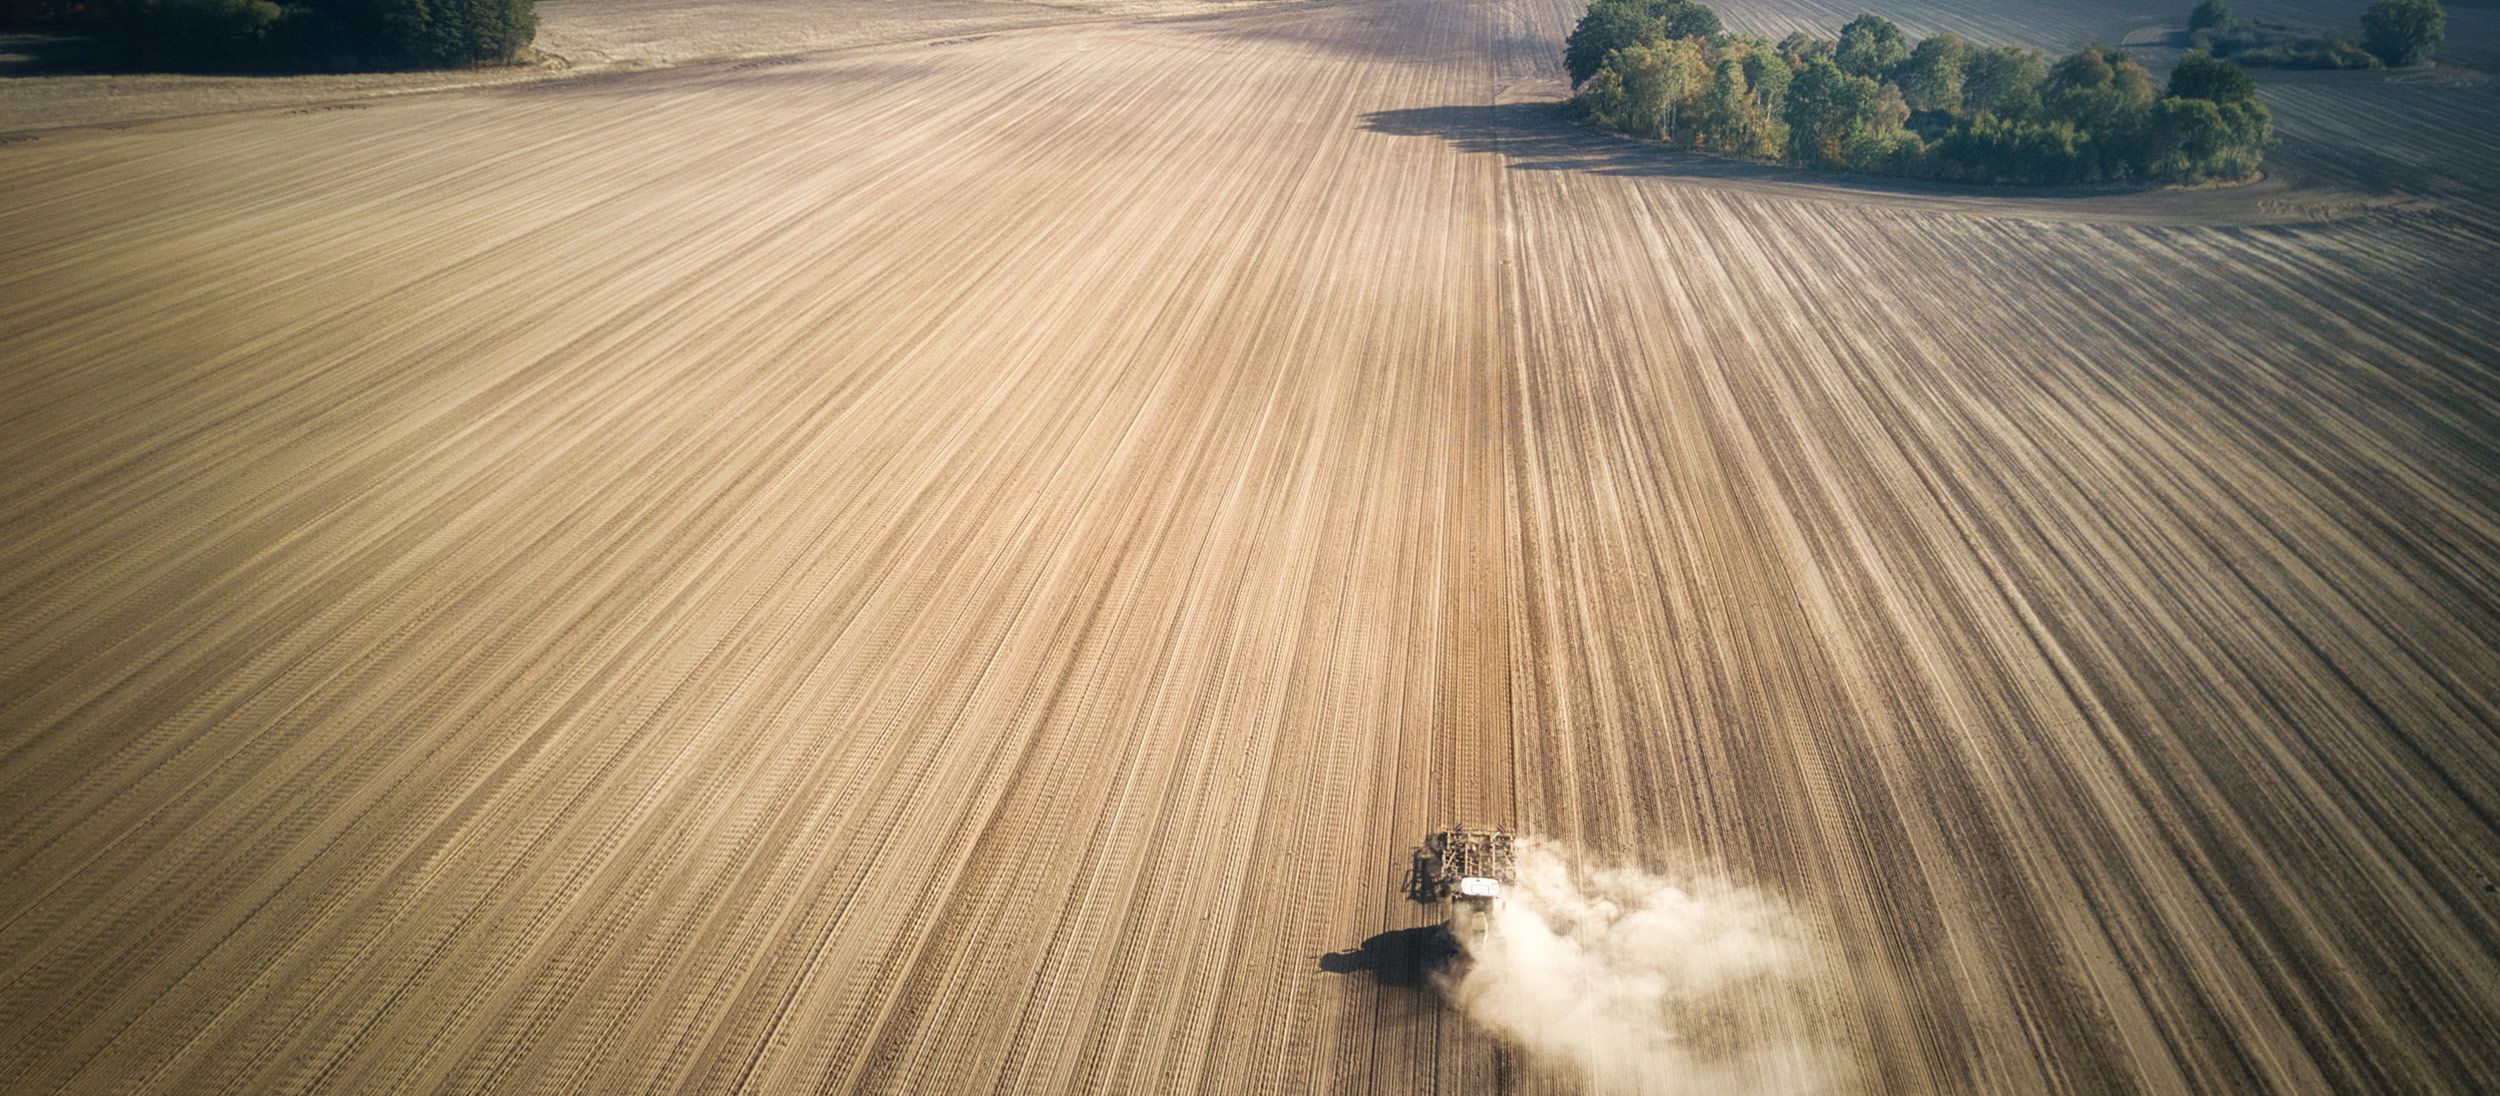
(1642, 983)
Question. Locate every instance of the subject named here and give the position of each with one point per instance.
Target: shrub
(2334, 55)
(2391, 26)
(2272, 45)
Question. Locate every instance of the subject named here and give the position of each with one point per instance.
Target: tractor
(1469, 869)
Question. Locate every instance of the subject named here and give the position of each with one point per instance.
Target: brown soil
(964, 567)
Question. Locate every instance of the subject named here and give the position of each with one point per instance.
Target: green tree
(1735, 116)
(388, 33)
(1607, 27)
(2004, 81)
(1727, 110)
(1602, 97)
(29, 14)
(1649, 90)
(2002, 115)
(2109, 100)
(2098, 88)
(1610, 25)
(1768, 74)
(1826, 106)
(2403, 32)
(1800, 47)
(2211, 15)
(491, 30)
(2250, 129)
(1876, 142)
(1870, 46)
(322, 35)
(1986, 148)
(1684, 19)
(1932, 78)
(2199, 76)
(1683, 81)
(195, 35)
(2197, 139)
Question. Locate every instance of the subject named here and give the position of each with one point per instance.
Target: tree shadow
(1543, 135)
(42, 53)
(1404, 958)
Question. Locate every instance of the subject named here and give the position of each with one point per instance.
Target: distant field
(575, 38)
(965, 565)
(596, 32)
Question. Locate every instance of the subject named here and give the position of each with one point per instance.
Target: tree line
(292, 35)
(2393, 33)
(1872, 100)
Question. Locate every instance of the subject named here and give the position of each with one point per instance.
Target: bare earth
(964, 567)
(576, 38)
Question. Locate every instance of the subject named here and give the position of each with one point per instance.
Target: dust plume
(1641, 983)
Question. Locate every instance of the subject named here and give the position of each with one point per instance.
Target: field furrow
(966, 566)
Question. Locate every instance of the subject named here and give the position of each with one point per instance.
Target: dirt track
(965, 567)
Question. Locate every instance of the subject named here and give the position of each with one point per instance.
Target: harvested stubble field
(964, 566)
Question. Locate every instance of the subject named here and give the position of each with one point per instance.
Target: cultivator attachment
(1467, 868)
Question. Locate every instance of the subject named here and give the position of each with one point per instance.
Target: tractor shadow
(1404, 958)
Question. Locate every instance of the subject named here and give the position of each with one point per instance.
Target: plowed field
(964, 566)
